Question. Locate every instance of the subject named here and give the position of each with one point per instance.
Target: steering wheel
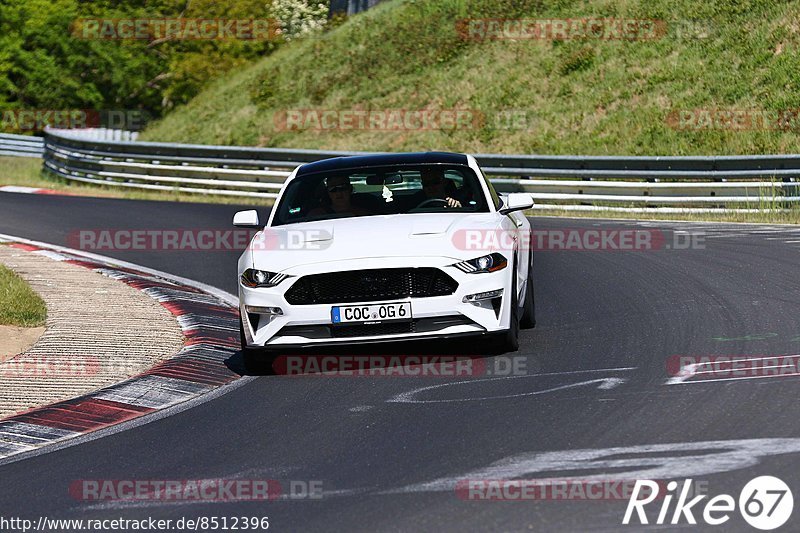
(432, 201)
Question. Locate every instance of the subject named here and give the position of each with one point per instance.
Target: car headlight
(254, 278)
(486, 263)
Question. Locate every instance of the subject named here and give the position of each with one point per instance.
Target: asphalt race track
(389, 456)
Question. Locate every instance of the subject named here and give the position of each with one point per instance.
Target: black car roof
(379, 160)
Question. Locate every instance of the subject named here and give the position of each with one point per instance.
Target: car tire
(255, 361)
(529, 306)
(509, 339)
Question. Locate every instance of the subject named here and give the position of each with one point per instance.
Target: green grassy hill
(584, 96)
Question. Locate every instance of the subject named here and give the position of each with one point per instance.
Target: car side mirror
(516, 201)
(246, 219)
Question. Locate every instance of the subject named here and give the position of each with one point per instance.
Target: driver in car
(340, 192)
(436, 186)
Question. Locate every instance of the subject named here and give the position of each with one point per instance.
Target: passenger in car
(338, 199)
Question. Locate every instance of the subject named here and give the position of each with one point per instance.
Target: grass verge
(19, 304)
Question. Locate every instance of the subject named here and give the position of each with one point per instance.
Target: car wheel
(529, 306)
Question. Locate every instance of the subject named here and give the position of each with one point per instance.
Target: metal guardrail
(564, 182)
(21, 145)
(101, 134)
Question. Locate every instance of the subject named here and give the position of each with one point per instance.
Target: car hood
(407, 235)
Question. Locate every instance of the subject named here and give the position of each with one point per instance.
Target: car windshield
(381, 191)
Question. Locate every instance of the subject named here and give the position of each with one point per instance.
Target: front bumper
(434, 317)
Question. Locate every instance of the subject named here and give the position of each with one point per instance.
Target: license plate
(371, 314)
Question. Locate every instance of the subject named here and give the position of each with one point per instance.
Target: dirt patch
(15, 340)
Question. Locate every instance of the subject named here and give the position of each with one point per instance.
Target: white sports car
(384, 248)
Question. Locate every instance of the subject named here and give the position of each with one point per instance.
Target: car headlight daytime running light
(486, 263)
(255, 278)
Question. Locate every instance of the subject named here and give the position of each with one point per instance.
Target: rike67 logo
(765, 503)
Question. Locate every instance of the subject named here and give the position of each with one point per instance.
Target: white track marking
(729, 455)
(18, 188)
(55, 256)
(651, 461)
(610, 383)
(604, 384)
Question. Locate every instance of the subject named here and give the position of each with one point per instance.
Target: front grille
(370, 286)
